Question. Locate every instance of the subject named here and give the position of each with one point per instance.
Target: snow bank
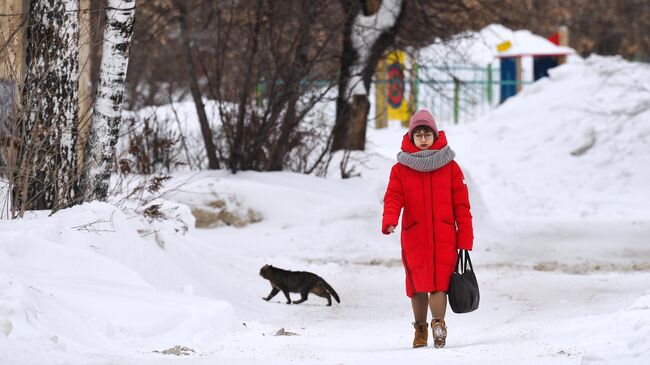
(480, 48)
(628, 332)
(73, 283)
(466, 56)
(571, 146)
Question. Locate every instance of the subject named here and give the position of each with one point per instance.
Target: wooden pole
(85, 91)
(381, 97)
(564, 41)
(12, 45)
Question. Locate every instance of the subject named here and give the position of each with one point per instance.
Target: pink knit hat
(423, 117)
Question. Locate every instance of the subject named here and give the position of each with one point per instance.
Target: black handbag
(463, 288)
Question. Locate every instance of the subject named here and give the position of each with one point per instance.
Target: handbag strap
(468, 261)
(462, 262)
(459, 263)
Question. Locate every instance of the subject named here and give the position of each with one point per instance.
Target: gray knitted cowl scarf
(426, 160)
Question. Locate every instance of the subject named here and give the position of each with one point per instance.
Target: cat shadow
(303, 304)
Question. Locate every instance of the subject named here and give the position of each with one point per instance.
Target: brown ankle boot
(421, 334)
(439, 331)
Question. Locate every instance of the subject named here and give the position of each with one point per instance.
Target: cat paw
(267, 299)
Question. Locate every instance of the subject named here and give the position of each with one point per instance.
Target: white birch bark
(106, 118)
(50, 106)
(66, 128)
(361, 46)
(365, 32)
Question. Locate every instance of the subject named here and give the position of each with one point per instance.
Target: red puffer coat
(436, 221)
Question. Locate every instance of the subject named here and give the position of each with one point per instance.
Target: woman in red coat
(428, 184)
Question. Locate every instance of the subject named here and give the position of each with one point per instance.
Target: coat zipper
(433, 229)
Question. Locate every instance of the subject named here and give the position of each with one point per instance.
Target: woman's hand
(390, 229)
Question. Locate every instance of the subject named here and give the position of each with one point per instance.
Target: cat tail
(331, 290)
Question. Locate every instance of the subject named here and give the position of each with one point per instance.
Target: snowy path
(571, 292)
(547, 314)
(576, 292)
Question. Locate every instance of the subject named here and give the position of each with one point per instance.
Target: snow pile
(571, 146)
(628, 330)
(74, 283)
(480, 48)
(467, 57)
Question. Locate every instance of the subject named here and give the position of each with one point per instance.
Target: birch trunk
(106, 117)
(46, 176)
(365, 38)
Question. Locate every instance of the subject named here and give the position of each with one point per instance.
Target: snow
(561, 252)
(526, 154)
(69, 289)
(467, 56)
(480, 48)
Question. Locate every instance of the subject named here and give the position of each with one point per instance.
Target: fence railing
(455, 93)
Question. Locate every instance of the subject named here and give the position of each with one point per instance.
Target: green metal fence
(455, 93)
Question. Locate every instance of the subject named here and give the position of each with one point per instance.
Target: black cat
(297, 282)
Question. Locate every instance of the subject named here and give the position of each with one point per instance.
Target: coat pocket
(446, 244)
(408, 225)
(414, 245)
(447, 233)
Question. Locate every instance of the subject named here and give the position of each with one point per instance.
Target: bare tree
(235, 127)
(188, 62)
(298, 66)
(266, 69)
(626, 24)
(45, 166)
(106, 118)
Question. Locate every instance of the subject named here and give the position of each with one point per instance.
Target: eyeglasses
(423, 136)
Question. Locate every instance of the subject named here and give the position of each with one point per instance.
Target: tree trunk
(106, 118)
(46, 167)
(210, 150)
(365, 38)
(290, 121)
(238, 145)
(281, 146)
